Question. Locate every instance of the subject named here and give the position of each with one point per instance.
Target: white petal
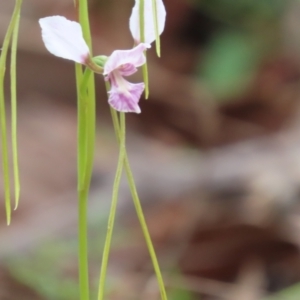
(149, 24)
(63, 38)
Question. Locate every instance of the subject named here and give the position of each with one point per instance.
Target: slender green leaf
(113, 209)
(5, 158)
(138, 208)
(13, 87)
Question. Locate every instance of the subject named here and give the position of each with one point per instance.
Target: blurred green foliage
(179, 294)
(248, 32)
(49, 270)
(230, 63)
(243, 11)
(291, 293)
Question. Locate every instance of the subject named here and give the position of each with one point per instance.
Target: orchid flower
(153, 16)
(124, 96)
(63, 38)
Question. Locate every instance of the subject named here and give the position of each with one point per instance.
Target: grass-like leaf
(13, 91)
(5, 158)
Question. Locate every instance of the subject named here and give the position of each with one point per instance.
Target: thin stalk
(139, 210)
(146, 77)
(142, 20)
(142, 39)
(155, 21)
(112, 213)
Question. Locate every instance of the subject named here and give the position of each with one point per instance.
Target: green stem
(86, 133)
(82, 191)
(83, 13)
(155, 21)
(84, 109)
(142, 20)
(146, 77)
(90, 94)
(5, 162)
(113, 208)
(13, 89)
(83, 248)
(91, 97)
(142, 39)
(139, 210)
(86, 147)
(81, 144)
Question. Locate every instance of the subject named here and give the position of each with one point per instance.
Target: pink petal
(63, 38)
(126, 101)
(149, 27)
(126, 61)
